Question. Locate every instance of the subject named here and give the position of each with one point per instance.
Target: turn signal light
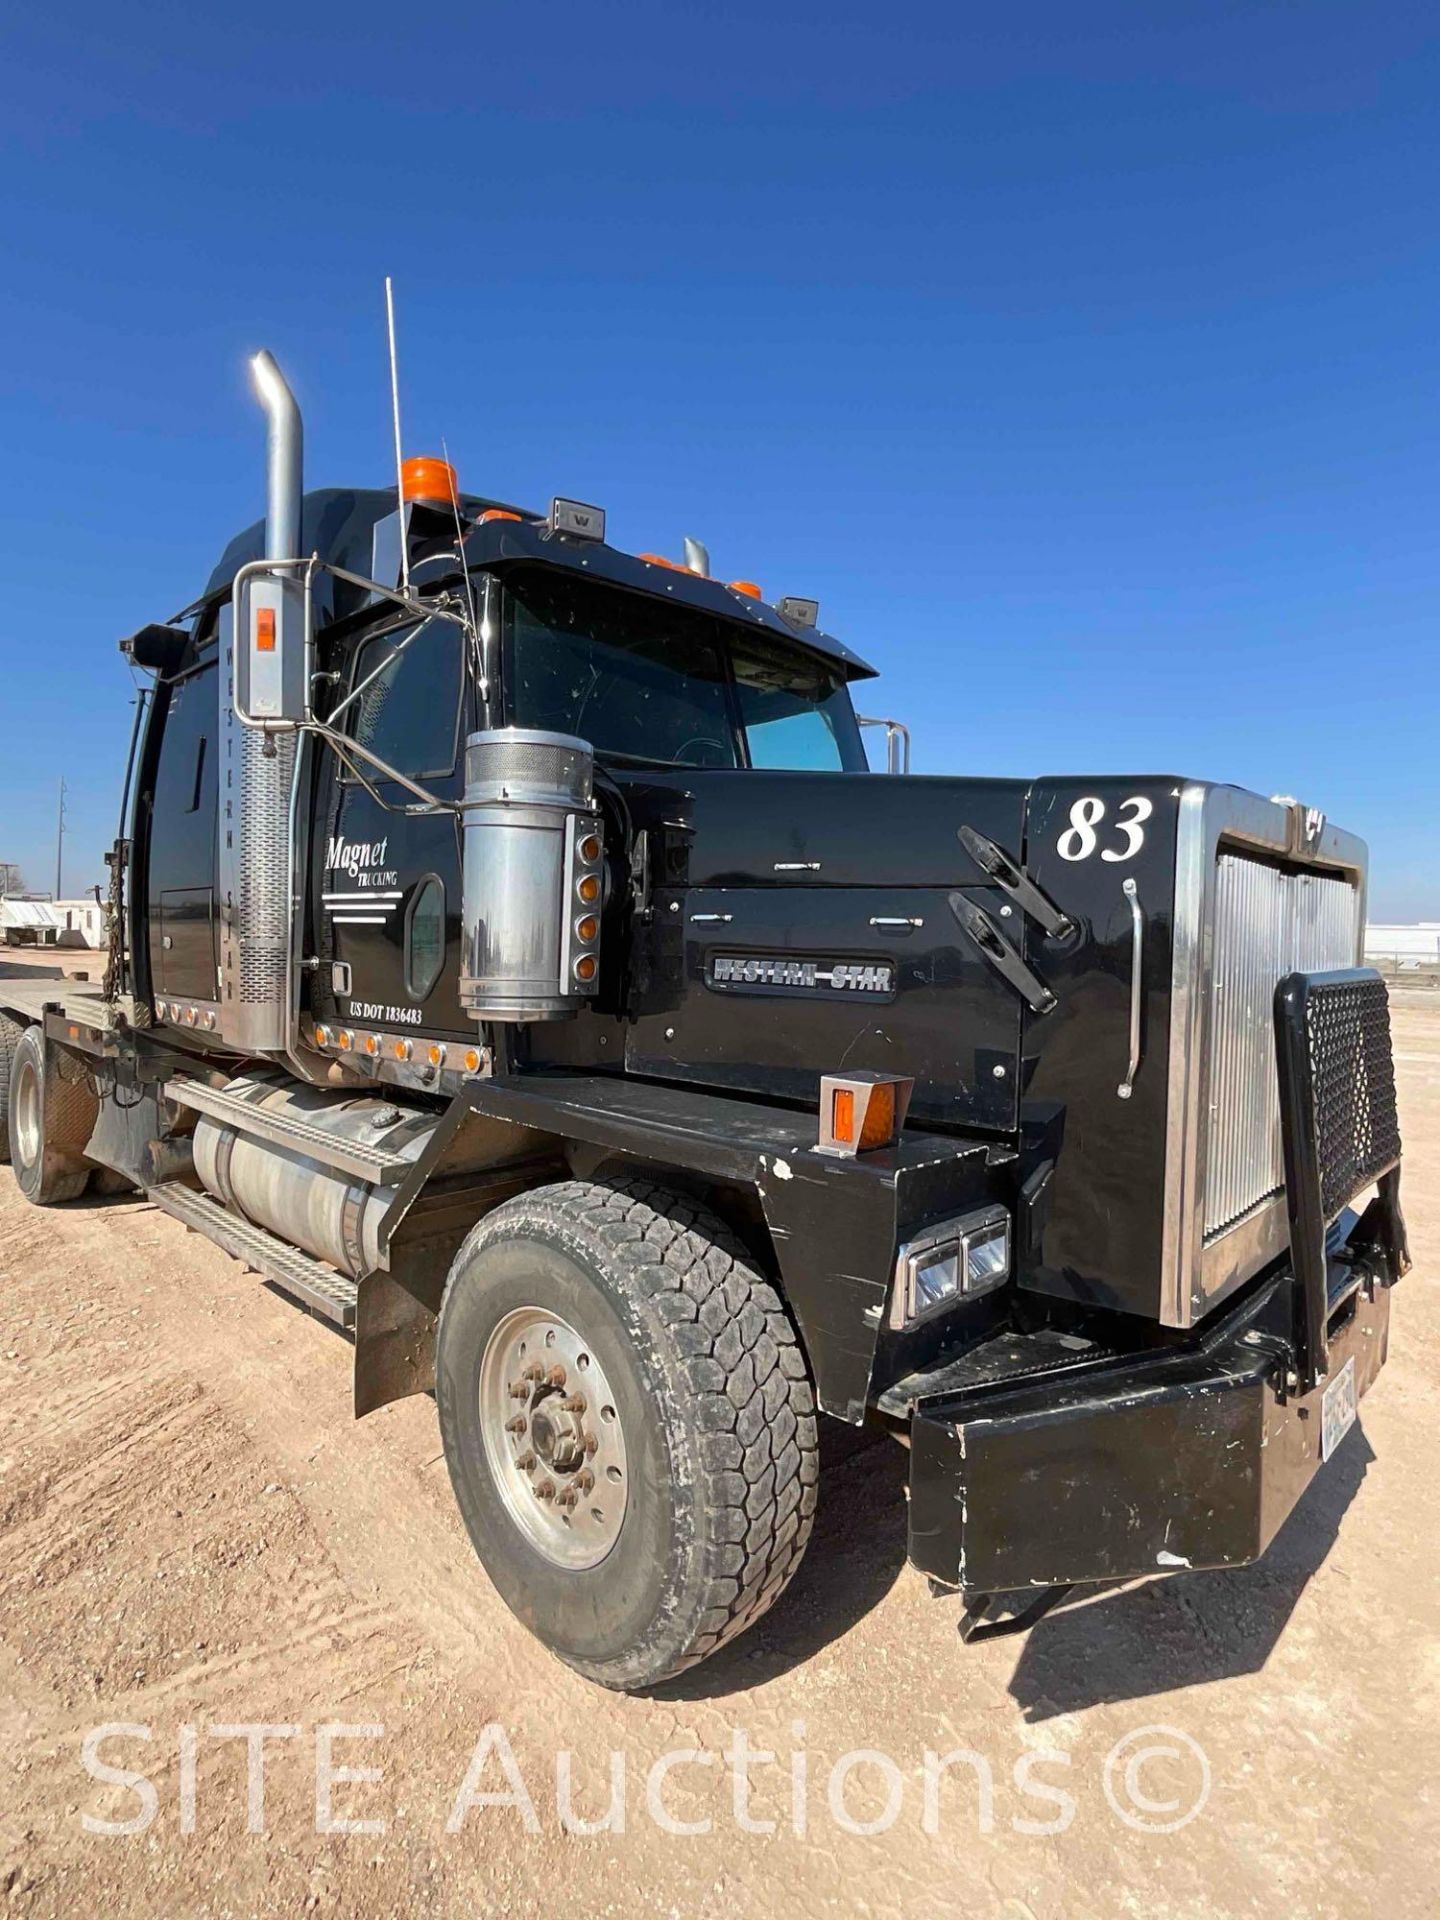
(426, 478)
(860, 1112)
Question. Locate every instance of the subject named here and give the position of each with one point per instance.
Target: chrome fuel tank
(314, 1192)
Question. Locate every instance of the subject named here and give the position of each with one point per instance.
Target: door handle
(896, 920)
(1137, 987)
(711, 919)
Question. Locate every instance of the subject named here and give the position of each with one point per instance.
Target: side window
(425, 937)
(409, 714)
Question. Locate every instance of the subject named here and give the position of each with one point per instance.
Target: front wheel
(628, 1423)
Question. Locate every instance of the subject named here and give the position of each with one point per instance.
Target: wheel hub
(553, 1437)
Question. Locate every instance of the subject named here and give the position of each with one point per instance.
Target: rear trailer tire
(643, 1498)
(52, 1109)
(10, 1032)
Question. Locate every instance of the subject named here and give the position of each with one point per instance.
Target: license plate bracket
(1339, 1406)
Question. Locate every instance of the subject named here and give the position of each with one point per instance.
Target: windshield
(667, 685)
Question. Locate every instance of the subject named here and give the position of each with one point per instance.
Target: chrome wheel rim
(27, 1115)
(553, 1439)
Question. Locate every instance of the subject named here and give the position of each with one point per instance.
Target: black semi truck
(513, 959)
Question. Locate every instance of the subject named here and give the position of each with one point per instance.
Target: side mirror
(274, 646)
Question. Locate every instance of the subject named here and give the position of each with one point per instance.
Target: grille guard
(1341, 1133)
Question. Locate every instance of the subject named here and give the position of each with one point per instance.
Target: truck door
(385, 885)
(182, 842)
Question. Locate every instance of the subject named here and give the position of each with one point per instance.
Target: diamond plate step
(379, 1164)
(318, 1287)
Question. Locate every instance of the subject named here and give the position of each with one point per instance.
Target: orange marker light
(435, 1055)
(659, 560)
(747, 587)
(264, 629)
(372, 1045)
(589, 888)
(587, 928)
(585, 967)
(472, 1060)
(342, 1040)
(497, 513)
(879, 1118)
(426, 478)
(842, 1115)
(590, 847)
(401, 1049)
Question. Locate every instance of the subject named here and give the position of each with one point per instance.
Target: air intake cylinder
(534, 876)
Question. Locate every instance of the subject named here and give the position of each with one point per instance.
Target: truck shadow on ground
(1185, 1629)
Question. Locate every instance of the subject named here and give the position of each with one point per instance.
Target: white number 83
(1081, 838)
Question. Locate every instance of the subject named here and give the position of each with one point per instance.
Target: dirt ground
(194, 1536)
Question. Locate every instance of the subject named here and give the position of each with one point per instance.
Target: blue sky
(1081, 359)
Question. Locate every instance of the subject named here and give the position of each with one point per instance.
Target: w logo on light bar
(360, 909)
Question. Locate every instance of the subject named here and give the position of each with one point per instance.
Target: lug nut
(556, 1376)
(525, 1461)
(519, 1390)
(584, 1481)
(517, 1425)
(545, 1490)
(534, 1371)
(591, 1443)
(575, 1404)
(569, 1498)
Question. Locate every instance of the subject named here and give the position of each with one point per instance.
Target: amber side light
(842, 1114)
(590, 847)
(589, 888)
(585, 967)
(497, 513)
(879, 1122)
(747, 587)
(426, 478)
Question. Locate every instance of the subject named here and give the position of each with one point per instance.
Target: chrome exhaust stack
(284, 459)
(263, 684)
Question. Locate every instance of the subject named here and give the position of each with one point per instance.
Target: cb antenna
(395, 414)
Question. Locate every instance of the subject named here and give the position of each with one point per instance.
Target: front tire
(52, 1109)
(628, 1423)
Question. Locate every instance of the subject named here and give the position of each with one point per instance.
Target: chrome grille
(1267, 923)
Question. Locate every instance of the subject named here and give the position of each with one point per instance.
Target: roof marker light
(431, 480)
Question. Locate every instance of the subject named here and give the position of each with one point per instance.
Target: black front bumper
(1038, 1463)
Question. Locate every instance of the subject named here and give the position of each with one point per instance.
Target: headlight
(953, 1261)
